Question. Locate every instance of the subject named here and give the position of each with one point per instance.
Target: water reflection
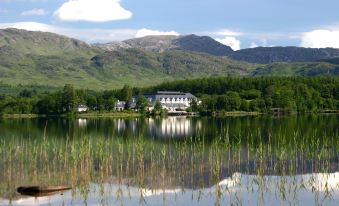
(173, 127)
(170, 127)
(82, 122)
(240, 189)
(231, 161)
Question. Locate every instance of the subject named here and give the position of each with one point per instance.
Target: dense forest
(302, 94)
(262, 94)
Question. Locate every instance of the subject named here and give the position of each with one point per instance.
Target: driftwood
(38, 191)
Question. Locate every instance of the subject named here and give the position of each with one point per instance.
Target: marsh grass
(193, 163)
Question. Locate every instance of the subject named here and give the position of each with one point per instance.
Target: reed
(159, 165)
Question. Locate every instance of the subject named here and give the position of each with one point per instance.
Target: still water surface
(263, 160)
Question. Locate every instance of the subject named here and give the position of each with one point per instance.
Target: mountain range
(205, 44)
(28, 57)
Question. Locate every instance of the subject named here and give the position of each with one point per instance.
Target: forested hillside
(260, 94)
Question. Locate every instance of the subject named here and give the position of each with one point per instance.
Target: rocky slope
(193, 43)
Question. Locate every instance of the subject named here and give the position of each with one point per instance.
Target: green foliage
(194, 106)
(261, 94)
(157, 107)
(264, 94)
(142, 103)
(297, 69)
(70, 99)
(125, 93)
(50, 104)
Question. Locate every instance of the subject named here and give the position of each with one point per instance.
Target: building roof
(120, 103)
(170, 94)
(82, 106)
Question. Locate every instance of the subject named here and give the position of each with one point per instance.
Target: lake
(250, 160)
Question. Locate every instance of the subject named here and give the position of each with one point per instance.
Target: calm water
(265, 160)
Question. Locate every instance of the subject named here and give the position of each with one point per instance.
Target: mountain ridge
(193, 43)
(54, 60)
(205, 44)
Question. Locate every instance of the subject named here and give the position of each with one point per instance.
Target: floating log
(38, 191)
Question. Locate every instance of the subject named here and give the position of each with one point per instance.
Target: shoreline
(109, 114)
(81, 115)
(236, 114)
(136, 114)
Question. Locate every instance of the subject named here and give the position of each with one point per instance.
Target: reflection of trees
(207, 127)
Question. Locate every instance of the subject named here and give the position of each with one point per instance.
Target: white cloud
(92, 11)
(227, 32)
(221, 33)
(231, 42)
(11, 1)
(147, 32)
(34, 12)
(30, 26)
(264, 42)
(253, 45)
(88, 35)
(320, 39)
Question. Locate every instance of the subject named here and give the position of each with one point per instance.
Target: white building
(170, 100)
(82, 108)
(120, 105)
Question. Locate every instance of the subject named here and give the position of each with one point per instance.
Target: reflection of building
(120, 124)
(173, 127)
(170, 127)
(82, 122)
(170, 100)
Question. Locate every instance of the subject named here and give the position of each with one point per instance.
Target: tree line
(63, 101)
(262, 94)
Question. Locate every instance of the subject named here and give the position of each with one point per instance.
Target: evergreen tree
(157, 107)
(70, 99)
(142, 103)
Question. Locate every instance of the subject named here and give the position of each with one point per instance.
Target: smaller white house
(120, 105)
(82, 108)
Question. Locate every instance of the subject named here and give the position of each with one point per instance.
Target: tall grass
(158, 165)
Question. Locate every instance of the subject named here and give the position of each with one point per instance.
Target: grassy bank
(235, 113)
(110, 114)
(126, 114)
(19, 116)
(84, 115)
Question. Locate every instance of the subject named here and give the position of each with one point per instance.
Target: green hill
(268, 55)
(297, 69)
(48, 59)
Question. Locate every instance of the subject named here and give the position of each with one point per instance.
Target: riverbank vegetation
(217, 95)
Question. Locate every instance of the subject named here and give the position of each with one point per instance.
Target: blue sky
(238, 23)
